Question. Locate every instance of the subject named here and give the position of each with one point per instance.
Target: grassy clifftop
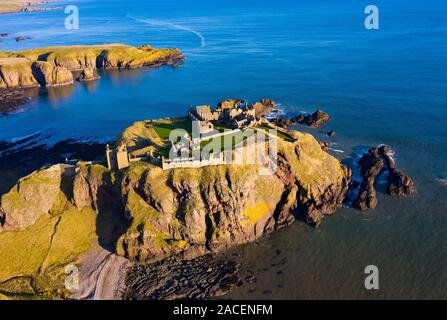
(145, 213)
(51, 66)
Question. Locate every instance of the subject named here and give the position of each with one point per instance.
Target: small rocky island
(161, 219)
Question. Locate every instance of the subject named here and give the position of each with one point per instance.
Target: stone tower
(118, 158)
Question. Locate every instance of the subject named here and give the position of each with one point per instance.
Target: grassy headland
(52, 66)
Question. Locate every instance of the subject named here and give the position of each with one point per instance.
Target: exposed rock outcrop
(22, 73)
(17, 73)
(51, 66)
(149, 214)
(264, 106)
(32, 197)
(13, 99)
(284, 123)
(50, 76)
(399, 184)
(201, 278)
(230, 103)
(317, 119)
(88, 74)
(22, 38)
(372, 165)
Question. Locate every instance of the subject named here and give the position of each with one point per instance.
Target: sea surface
(386, 86)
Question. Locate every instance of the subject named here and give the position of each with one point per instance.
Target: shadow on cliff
(111, 223)
(110, 214)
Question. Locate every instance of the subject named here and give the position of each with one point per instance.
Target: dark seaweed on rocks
(205, 277)
(12, 100)
(32, 157)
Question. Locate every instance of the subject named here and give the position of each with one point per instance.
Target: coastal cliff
(11, 6)
(146, 214)
(53, 66)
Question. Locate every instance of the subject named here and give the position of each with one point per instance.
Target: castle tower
(117, 159)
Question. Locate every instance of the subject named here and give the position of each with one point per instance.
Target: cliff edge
(55, 215)
(53, 66)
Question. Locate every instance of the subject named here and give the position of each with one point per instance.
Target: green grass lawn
(164, 129)
(222, 127)
(236, 138)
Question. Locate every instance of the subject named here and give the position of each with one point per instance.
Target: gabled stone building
(118, 158)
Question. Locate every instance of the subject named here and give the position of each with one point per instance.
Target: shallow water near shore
(387, 86)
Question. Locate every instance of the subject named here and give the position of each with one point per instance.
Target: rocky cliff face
(22, 73)
(52, 66)
(147, 213)
(191, 210)
(17, 72)
(32, 197)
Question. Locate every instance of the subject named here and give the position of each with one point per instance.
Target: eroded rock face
(51, 66)
(230, 103)
(88, 74)
(191, 211)
(399, 184)
(22, 73)
(284, 123)
(32, 197)
(316, 120)
(50, 76)
(373, 164)
(264, 106)
(16, 73)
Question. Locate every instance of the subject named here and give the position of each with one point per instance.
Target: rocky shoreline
(172, 224)
(54, 66)
(174, 278)
(14, 6)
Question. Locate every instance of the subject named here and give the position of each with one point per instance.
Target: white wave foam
(20, 138)
(170, 25)
(336, 150)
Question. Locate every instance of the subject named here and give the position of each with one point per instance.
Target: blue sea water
(380, 86)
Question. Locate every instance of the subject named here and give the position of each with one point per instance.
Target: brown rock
(88, 74)
(282, 122)
(50, 76)
(317, 119)
(300, 119)
(264, 106)
(32, 197)
(373, 164)
(399, 184)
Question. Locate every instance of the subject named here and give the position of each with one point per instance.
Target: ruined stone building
(231, 112)
(118, 158)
